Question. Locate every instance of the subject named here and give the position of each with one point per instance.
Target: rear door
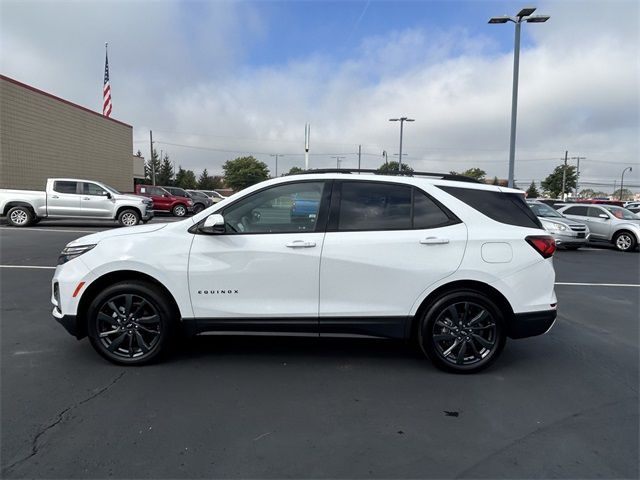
(64, 200)
(95, 201)
(385, 244)
(580, 213)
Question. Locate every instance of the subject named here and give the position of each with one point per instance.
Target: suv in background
(567, 233)
(607, 223)
(213, 195)
(456, 265)
(163, 201)
(200, 200)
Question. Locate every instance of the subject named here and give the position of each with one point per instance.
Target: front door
(262, 274)
(387, 244)
(95, 201)
(599, 227)
(64, 200)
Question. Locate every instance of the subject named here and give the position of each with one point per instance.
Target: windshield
(110, 189)
(621, 213)
(544, 210)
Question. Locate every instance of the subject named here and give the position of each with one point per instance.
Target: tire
(625, 241)
(482, 335)
(197, 208)
(128, 217)
(572, 247)
(134, 340)
(20, 216)
(179, 210)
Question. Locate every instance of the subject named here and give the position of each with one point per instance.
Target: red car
(163, 201)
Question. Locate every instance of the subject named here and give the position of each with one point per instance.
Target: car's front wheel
(625, 241)
(130, 323)
(197, 208)
(462, 332)
(128, 218)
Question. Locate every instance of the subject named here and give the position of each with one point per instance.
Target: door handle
(86, 198)
(300, 244)
(55, 196)
(434, 241)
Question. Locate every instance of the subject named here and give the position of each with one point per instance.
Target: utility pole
(307, 138)
(622, 180)
(153, 167)
(564, 173)
(338, 161)
(359, 155)
(386, 159)
(276, 155)
(578, 171)
(401, 120)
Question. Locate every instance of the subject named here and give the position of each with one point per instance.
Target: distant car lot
(562, 405)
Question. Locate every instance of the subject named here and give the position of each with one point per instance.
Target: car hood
(131, 198)
(117, 232)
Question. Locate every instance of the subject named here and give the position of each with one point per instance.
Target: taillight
(543, 244)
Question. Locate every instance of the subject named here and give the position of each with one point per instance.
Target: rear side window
(576, 211)
(508, 208)
(374, 206)
(65, 187)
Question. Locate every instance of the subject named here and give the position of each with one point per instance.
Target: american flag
(106, 89)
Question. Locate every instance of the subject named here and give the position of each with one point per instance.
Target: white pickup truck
(74, 198)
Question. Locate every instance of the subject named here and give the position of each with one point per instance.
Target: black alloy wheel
(197, 208)
(130, 323)
(462, 332)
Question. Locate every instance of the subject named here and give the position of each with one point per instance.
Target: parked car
(213, 195)
(458, 266)
(199, 203)
(607, 223)
(163, 201)
(633, 207)
(73, 198)
(567, 233)
(200, 200)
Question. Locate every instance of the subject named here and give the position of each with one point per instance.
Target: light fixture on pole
(338, 161)
(276, 155)
(401, 120)
(622, 180)
(525, 15)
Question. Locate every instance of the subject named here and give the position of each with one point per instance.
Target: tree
(295, 170)
(186, 179)
(532, 191)
(552, 185)
(151, 165)
(625, 194)
(495, 181)
(591, 193)
(392, 168)
(476, 173)
(165, 176)
(244, 172)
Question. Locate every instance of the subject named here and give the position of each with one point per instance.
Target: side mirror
(109, 195)
(604, 215)
(213, 224)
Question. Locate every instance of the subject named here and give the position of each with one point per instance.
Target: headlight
(69, 253)
(553, 226)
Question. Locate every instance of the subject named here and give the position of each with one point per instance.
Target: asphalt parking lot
(561, 405)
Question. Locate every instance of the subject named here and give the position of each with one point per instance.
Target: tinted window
(282, 209)
(374, 206)
(595, 212)
(426, 214)
(509, 208)
(93, 189)
(157, 191)
(576, 211)
(65, 187)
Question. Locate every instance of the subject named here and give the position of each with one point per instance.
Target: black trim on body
(530, 324)
(70, 324)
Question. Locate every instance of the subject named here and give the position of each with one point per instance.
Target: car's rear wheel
(625, 241)
(130, 323)
(179, 211)
(20, 216)
(462, 332)
(128, 218)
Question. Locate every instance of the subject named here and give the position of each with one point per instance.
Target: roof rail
(443, 176)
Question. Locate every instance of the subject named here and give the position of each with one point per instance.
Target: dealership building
(44, 136)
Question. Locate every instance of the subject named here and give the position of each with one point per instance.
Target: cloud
(183, 73)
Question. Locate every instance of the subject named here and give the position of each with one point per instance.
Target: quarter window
(65, 187)
(426, 214)
(374, 206)
(290, 208)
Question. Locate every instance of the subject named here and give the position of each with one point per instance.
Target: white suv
(456, 265)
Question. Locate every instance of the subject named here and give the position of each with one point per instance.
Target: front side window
(595, 212)
(374, 206)
(93, 189)
(581, 211)
(291, 208)
(65, 187)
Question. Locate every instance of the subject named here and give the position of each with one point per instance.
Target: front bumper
(148, 215)
(530, 324)
(67, 321)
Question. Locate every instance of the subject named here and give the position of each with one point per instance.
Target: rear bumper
(571, 239)
(530, 324)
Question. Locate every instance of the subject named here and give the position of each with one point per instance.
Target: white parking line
(49, 230)
(28, 266)
(633, 285)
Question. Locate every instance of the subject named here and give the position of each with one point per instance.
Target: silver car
(608, 223)
(567, 233)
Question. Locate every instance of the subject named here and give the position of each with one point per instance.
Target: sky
(216, 80)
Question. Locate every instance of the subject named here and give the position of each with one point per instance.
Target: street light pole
(401, 120)
(525, 15)
(276, 155)
(338, 161)
(622, 180)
